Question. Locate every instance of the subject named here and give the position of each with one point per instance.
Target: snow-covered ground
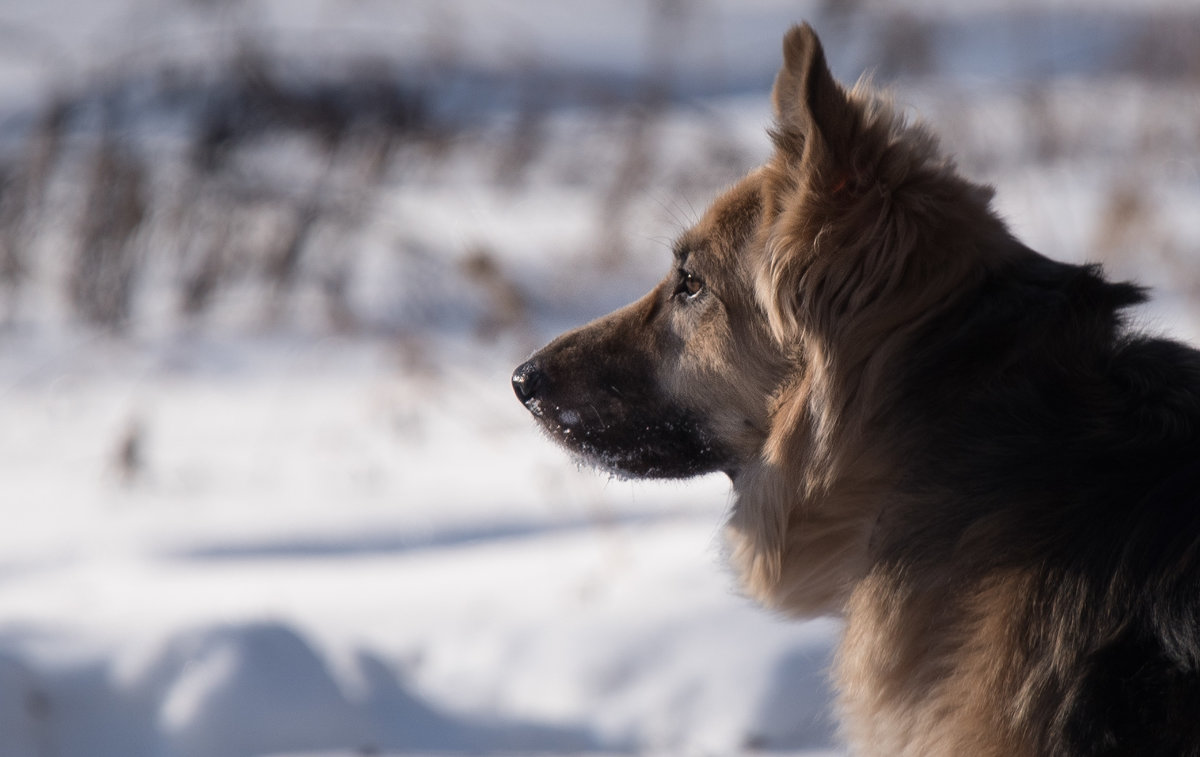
(313, 519)
(321, 552)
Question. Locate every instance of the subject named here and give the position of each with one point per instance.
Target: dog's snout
(527, 380)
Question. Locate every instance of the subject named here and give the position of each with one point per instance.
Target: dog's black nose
(527, 380)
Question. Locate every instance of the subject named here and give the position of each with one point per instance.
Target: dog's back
(1036, 576)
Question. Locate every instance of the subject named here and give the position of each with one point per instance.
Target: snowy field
(266, 267)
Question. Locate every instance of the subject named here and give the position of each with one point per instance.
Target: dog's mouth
(642, 439)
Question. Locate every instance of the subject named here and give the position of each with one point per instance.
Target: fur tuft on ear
(849, 188)
(816, 121)
(816, 135)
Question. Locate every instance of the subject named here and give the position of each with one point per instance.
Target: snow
(265, 531)
(306, 565)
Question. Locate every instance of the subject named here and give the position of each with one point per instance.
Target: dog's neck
(800, 554)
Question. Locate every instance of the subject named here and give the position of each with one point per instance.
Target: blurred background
(266, 267)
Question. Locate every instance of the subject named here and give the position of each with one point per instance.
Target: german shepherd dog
(954, 443)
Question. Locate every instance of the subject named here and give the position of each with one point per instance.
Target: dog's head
(762, 331)
(675, 384)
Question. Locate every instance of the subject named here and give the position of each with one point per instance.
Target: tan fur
(916, 677)
(927, 678)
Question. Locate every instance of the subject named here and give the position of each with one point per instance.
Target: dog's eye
(689, 286)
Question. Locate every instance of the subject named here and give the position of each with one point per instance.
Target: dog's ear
(816, 122)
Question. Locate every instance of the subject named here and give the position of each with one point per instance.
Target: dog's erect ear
(816, 122)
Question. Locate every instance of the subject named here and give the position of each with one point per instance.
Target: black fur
(1078, 443)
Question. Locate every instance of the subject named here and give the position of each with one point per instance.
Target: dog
(958, 445)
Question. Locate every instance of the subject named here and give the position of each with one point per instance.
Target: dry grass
(283, 163)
